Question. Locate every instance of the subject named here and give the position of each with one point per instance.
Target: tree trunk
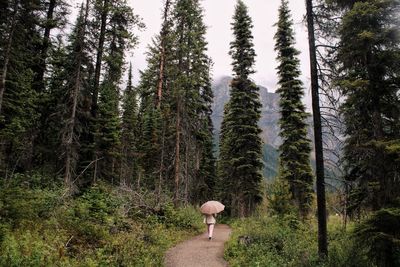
(321, 202)
(99, 58)
(160, 177)
(69, 140)
(187, 180)
(164, 33)
(7, 55)
(45, 45)
(177, 153)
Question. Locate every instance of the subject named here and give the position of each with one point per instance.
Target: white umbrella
(212, 207)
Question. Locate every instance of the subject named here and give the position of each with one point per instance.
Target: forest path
(199, 251)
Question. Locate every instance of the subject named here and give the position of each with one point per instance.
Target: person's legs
(211, 230)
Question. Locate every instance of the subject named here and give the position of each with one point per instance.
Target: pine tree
(191, 99)
(369, 55)
(116, 22)
(55, 18)
(129, 131)
(53, 21)
(10, 11)
(75, 111)
(52, 110)
(102, 9)
(295, 149)
(154, 120)
(240, 158)
(177, 117)
(117, 40)
(18, 99)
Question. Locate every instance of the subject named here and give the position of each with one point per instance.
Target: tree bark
(45, 45)
(187, 180)
(7, 55)
(99, 58)
(69, 139)
(321, 202)
(160, 177)
(177, 153)
(164, 33)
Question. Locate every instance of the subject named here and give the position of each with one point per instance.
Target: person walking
(210, 220)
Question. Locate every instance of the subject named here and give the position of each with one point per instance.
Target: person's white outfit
(210, 220)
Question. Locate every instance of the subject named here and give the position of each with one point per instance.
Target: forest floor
(199, 251)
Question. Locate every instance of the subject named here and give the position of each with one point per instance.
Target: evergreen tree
(369, 54)
(155, 112)
(76, 97)
(191, 100)
(295, 150)
(117, 41)
(54, 19)
(101, 15)
(240, 144)
(175, 108)
(18, 99)
(129, 131)
(49, 147)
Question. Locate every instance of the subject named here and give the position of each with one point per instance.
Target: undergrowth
(100, 227)
(276, 241)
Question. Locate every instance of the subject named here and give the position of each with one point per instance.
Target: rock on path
(199, 251)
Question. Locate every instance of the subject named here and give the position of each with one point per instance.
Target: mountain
(270, 110)
(268, 122)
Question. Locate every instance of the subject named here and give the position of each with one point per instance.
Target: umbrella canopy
(212, 207)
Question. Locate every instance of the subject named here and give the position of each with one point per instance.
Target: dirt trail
(199, 251)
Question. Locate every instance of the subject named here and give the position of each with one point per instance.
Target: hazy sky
(218, 17)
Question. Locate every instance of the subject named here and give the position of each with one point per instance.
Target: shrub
(19, 204)
(184, 217)
(39, 228)
(279, 198)
(270, 241)
(380, 236)
(286, 241)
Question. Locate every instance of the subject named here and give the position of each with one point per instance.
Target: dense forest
(96, 170)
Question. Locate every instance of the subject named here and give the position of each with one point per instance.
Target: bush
(279, 198)
(184, 217)
(19, 204)
(270, 241)
(39, 228)
(286, 241)
(380, 236)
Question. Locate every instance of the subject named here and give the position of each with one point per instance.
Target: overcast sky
(218, 17)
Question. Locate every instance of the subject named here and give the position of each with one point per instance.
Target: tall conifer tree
(369, 54)
(18, 100)
(118, 40)
(295, 150)
(77, 87)
(129, 131)
(175, 108)
(191, 100)
(240, 158)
